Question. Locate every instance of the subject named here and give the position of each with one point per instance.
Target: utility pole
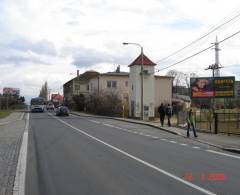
(215, 73)
(216, 66)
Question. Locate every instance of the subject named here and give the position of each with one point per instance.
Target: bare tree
(44, 91)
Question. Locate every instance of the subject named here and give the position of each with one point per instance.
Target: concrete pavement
(11, 129)
(225, 142)
(89, 155)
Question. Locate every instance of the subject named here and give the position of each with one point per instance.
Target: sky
(42, 40)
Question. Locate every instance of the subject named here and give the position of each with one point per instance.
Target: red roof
(57, 97)
(146, 61)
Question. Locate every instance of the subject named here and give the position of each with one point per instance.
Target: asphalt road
(88, 156)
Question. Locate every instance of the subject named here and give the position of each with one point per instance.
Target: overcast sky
(49, 39)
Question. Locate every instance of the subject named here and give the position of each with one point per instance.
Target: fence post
(216, 123)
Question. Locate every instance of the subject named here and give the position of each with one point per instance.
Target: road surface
(87, 156)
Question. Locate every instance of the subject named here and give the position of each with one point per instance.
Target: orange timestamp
(205, 177)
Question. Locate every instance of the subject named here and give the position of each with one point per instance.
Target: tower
(135, 87)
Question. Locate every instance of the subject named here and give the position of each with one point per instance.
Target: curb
(234, 150)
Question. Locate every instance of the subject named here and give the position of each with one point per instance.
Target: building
(114, 82)
(78, 86)
(237, 89)
(156, 90)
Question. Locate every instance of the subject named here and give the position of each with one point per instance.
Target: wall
(135, 91)
(163, 90)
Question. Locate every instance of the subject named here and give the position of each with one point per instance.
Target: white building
(156, 89)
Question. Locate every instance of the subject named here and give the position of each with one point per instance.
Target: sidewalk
(222, 141)
(14, 116)
(11, 132)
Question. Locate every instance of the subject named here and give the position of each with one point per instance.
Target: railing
(222, 122)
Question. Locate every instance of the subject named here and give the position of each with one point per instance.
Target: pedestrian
(161, 111)
(191, 123)
(169, 114)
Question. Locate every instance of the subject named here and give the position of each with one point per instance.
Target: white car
(50, 106)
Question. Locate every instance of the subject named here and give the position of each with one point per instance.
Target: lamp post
(140, 74)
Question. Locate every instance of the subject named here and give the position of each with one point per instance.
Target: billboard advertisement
(11, 91)
(209, 87)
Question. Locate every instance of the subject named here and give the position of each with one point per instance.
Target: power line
(185, 59)
(157, 70)
(200, 38)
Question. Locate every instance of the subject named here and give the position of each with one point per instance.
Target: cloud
(87, 57)
(184, 24)
(39, 47)
(21, 51)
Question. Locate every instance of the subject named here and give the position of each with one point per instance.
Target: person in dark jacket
(161, 111)
(169, 114)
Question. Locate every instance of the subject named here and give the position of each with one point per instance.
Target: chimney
(118, 69)
(77, 72)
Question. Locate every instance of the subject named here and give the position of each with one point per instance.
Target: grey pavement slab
(10, 142)
(14, 116)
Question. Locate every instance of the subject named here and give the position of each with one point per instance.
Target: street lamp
(140, 73)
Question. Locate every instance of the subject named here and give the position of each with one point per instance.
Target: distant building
(78, 86)
(157, 89)
(237, 89)
(57, 99)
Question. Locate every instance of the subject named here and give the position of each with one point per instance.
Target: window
(77, 87)
(114, 84)
(87, 87)
(126, 83)
(111, 84)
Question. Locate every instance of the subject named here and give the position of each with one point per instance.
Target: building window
(76, 87)
(114, 84)
(111, 84)
(87, 87)
(126, 83)
(132, 87)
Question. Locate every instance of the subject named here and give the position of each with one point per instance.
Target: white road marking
(183, 144)
(94, 121)
(138, 159)
(155, 137)
(224, 154)
(173, 142)
(164, 139)
(19, 182)
(109, 125)
(195, 147)
(147, 135)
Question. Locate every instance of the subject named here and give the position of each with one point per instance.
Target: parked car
(62, 111)
(50, 106)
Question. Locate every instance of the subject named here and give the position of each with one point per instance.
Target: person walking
(169, 114)
(191, 123)
(161, 111)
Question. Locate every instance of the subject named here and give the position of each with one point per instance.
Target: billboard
(11, 91)
(209, 87)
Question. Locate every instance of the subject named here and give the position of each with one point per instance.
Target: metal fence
(222, 122)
